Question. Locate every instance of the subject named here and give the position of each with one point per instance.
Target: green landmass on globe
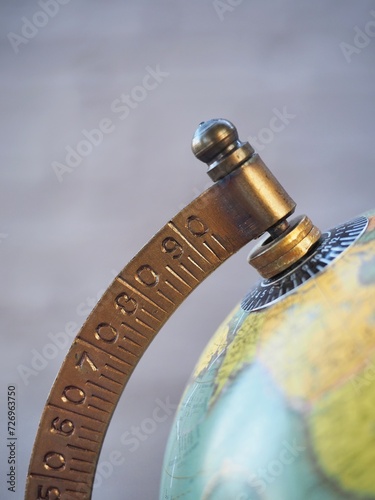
(281, 404)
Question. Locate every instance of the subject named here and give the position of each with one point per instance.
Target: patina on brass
(245, 202)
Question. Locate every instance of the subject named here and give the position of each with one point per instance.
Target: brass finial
(216, 143)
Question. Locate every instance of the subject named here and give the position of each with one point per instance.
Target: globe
(281, 404)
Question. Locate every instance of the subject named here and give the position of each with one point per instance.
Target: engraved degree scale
(244, 202)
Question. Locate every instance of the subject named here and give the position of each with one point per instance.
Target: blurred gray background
(61, 242)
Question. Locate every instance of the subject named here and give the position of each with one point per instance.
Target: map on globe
(281, 404)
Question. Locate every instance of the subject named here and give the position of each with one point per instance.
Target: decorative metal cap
(216, 143)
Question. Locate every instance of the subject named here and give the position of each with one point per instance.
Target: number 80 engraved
(147, 276)
(126, 304)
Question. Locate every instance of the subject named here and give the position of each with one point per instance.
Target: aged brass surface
(275, 256)
(216, 143)
(243, 204)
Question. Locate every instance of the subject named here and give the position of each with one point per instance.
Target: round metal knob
(216, 143)
(212, 137)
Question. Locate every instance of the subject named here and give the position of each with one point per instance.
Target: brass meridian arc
(244, 203)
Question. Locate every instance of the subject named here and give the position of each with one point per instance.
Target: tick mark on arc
(126, 325)
(91, 430)
(127, 350)
(184, 268)
(74, 491)
(216, 238)
(48, 476)
(128, 339)
(175, 228)
(96, 419)
(177, 276)
(102, 375)
(97, 407)
(346, 244)
(82, 460)
(75, 447)
(162, 294)
(149, 314)
(348, 238)
(173, 287)
(144, 324)
(90, 382)
(110, 354)
(74, 469)
(82, 438)
(110, 367)
(325, 261)
(205, 244)
(135, 290)
(196, 264)
(100, 398)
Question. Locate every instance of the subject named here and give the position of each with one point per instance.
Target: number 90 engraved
(171, 246)
(51, 493)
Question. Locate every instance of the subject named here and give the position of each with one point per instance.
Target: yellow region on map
(312, 333)
(342, 433)
(316, 346)
(216, 345)
(241, 351)
(318, 339)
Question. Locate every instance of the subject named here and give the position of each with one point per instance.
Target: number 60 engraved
(64, 427)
